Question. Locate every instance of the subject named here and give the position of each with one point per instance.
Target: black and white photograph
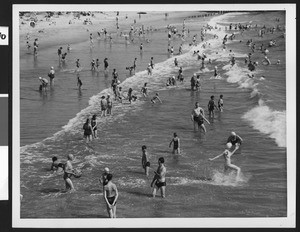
(154, 116)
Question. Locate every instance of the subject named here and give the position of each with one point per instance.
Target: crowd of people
(110, 191)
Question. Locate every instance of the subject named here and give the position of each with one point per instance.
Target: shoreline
(48, 32)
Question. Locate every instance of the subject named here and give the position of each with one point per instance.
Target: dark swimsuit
(175, 144)
(111, 200)
(93, 124)
(199, 120)
(160, 184)
(87, 130)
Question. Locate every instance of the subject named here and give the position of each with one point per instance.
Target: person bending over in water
(227, 156)
(153, 100)
(111, 196)
(198, 117)
(144, 90)
(235, 140)
(159, 179)
(145, 160)
(56, 166)
(176, 144)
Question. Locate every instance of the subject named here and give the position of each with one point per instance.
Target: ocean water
(255, 108)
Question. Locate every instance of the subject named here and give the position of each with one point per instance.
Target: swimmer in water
(211, 107)
(94, 125)
(56, 166)
(153, 100)
(227, 156)
(145, 160)
(176, 144)
(88, 130)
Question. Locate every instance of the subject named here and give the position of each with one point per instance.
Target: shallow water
(255, 109)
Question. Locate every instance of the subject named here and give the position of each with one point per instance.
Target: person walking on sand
(94, 125)
(103, 104)
(68, 172)
(198, 117)
(176, 144)
(111, 196)
(88, 130)
(145, 160)
(159, 179)
(227, 156)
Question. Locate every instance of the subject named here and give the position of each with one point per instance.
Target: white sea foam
(268, 121)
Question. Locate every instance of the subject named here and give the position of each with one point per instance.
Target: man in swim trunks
(68, 172)
(159, 179)
(198, 117)
(176, 144)
(111, 197)
(235, 140)
(145, 160)
(51, 75)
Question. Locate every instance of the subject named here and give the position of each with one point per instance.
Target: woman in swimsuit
(88, 130)
(176, 144)
(198, 117)
(227, 156)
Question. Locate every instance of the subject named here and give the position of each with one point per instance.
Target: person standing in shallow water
(145, 160)
(159, 179)
(88, 130)
(94, 125)
(111, 196)
(68, 172)
(176, 144)
(198, 117)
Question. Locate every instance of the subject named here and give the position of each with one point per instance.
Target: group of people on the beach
(110, 191)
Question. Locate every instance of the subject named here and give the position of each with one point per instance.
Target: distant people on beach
(59, 52)
(35, 47)
(176, 144)
(106, 64)
(159, 179)
(79, 82)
